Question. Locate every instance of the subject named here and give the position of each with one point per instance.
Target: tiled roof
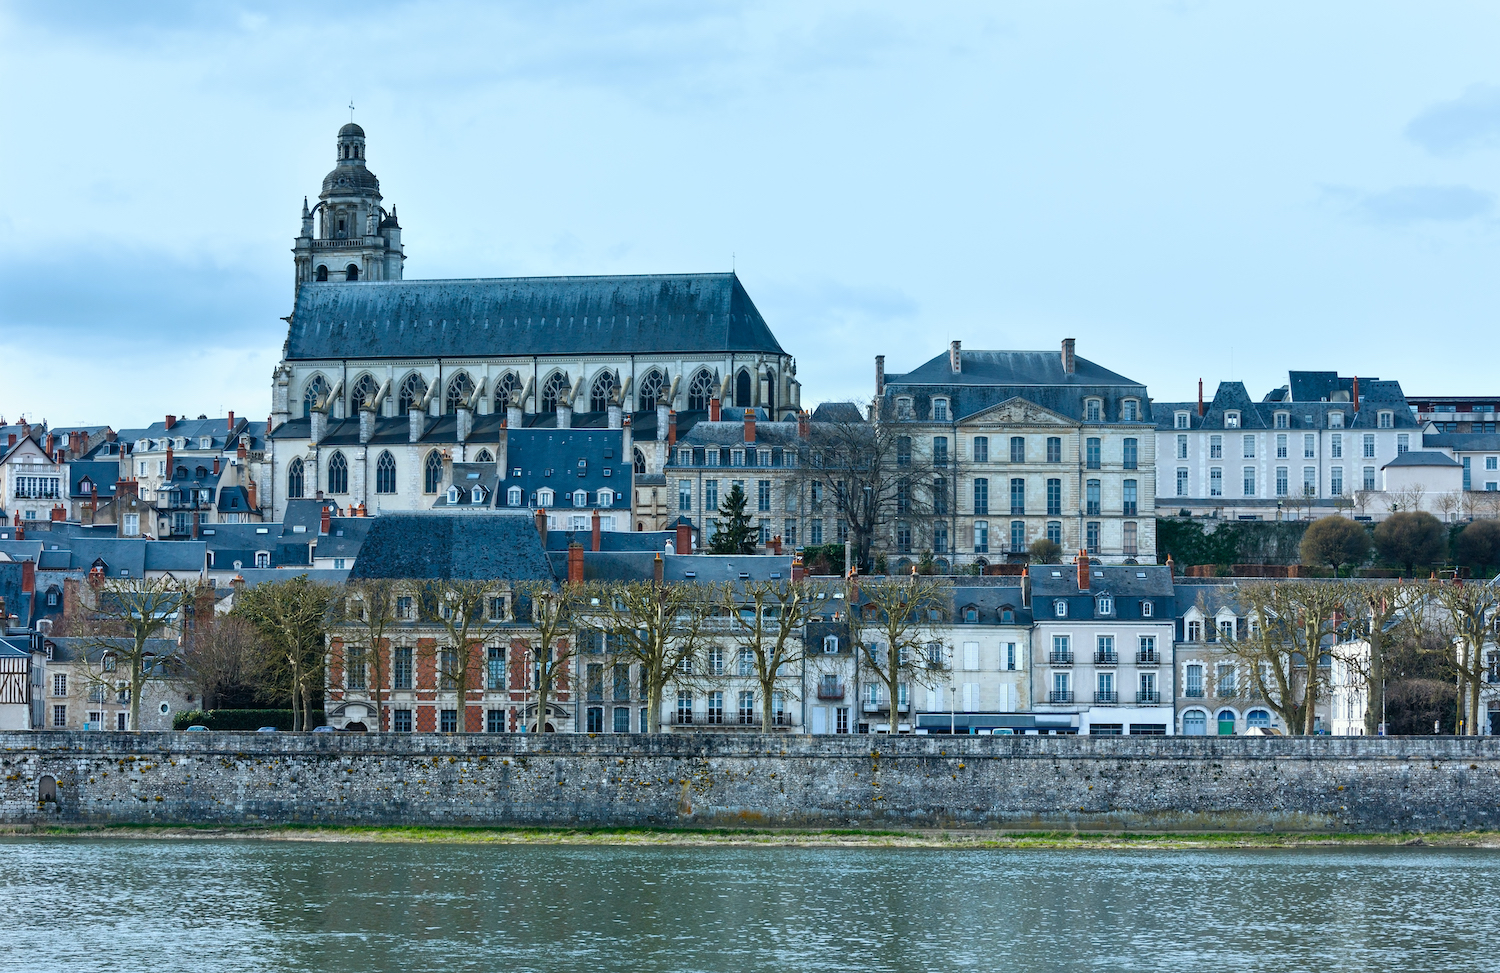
(444, 546)
(1423, 457)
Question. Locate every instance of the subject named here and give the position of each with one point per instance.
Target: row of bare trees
(1295, 631)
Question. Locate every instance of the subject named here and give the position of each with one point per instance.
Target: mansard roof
(524, 316)
(451, 546)
(1011, 368)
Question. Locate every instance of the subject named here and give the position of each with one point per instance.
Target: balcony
(1056, 658)
(1106, 659)
(1193, 692)
(831, 690)
(1060, 696)
(1108, 698)
(1148, 696)
(882, 707)
(1148, 658)
(715, 718)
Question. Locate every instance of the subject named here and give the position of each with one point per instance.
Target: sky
(1190, 189)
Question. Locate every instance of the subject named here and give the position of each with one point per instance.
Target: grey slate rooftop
(452, 546)
(1422, 457)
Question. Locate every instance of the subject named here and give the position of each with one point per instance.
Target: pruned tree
(1406, 499)
(365, 613)
(1411, 538)
(1466, 619)
(221, 659)
(767, 620)
(1478, 546)
(554, 613)
(1335, 541)
(1292, 626)
(655, 625)
(291, 618)
(1448, 503)
(455, 606)
(894, 623)
(1382, 604)
(125, 624)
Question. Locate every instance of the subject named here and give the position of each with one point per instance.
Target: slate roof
(1422, 457)
(838, 412)
(1127, 584)
(988, 378)
(566, 460)
(16, 602)
(449, 546)
(467, 476)
(614, 541)
(240, 542)
(1375, 396)
(527, 316)
(989, 600)
(1463, 442)
(255, 576)
(103, 474)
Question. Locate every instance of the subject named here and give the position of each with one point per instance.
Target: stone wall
(1354, 784)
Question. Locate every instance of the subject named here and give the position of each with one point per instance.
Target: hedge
(1230, 542)
(241, 719)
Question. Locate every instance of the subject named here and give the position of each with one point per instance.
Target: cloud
(1405, 205)
(1470, 121)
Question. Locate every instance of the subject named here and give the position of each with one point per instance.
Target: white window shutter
(971, 655)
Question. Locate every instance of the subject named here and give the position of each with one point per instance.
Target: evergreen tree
(733, 532)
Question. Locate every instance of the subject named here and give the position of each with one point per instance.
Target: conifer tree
(733, 532)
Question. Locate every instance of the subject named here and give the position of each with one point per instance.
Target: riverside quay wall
(1333, 784)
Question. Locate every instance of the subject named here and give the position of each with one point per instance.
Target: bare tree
(656, 625)
(894, 624)
(291, 617)
(1448, 504)
(554, 613)
(767, 620)
(456, 606)
(220, 659)
(1362, 501)
(125, 624)
(365, 612)
(1408, 498)
(1383, 603)
(1465, 619)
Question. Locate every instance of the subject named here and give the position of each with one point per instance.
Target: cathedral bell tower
(356, 238)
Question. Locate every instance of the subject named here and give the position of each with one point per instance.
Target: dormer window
(1106, 605)
(1093, 410)
(453, 494)
(1283, 420)
(1129, 410)
(580, 498)
(1060, 608)
(478, 494)
(830, 644)
(939, 410)
(205, 443)
(971, 615)
(1335, 420)
(1231, 420)
(1146, 609)
(1007, 616)
(904, 409)
(545, 497)
(1385, 420)
(1182, 420)
(606, 498)
(513, 496)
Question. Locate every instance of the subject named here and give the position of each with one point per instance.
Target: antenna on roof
(731, 261)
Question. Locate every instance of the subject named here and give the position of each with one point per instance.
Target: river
(207, 905)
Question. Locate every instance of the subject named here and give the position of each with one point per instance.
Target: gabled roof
(1422, 457)
(838, 412)
(525, 316)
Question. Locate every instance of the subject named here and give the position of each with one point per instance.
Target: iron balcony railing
(1106, 659)
(830, 690)
(1060, 696)
(1148, 696)
(1106, 696)
(1193, 693)
(1148, 658)
(1056, 658)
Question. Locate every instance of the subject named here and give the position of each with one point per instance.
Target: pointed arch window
(554, 391)
(652, 387)
(363, 394)
(432, 472)
(743, 398)
(316, 391)
(603, 391)
(484, 457)
(770, 402)
(507, 392)
(385, 473)
(413, 391)
(338, 473)
(459, 392)
(640, 463)
(700, 390)
(295, 487)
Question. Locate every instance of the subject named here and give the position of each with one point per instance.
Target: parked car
(196, 728)
(1263, 731)
(323, 729)
(268, 729)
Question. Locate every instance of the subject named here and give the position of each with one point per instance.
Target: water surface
(209, 905)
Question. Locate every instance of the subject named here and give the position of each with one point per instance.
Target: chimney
(955, 362)
(657, 568)
(216, 466)
(1355, 396)
(749, 425)
(195, 525)
(564, 415)
(804, 425)
(615, 413)
(70, 595)
(502, 453)
(541, 525)
(231, 420)
(51, 446)
(59, 512)
(243, 450)
(594, 534)
(1069, 362)
(713, 409)
(1025, 588)
(1083, 570)
(325, 521)
(575, 563)
(463, 422)
(250, 495)
(671, 428)
(879, 376)
(775, 544)
(171, 421)
(171, 465)
(12, 438)
(20, 528)
(1200, 398)
(799, 570)
(514, 418)
(1171, 567)
(684, 538)
(28, 577)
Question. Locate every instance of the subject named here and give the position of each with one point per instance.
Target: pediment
(1017, 411)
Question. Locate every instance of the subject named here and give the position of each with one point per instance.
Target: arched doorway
(357, 727)
(1195, 723)
(46, 790)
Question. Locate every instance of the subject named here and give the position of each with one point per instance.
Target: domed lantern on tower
(348, 236)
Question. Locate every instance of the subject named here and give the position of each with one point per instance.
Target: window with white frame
(1182, 447)
(1369, 445)
(939, 410)
(545, 497)
(1181, 420)
(1231, 420)
(1309, 446)
(1247, 447)
(1384, 420)
(513, 496)
(1249, 481)
(1335, 420)
(1403, 442)
(1093, 410)
(1336, 446)
(1283, 420)
(1129, 410)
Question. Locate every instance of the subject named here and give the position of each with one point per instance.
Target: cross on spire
(351, 109)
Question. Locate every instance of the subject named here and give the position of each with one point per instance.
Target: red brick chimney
(713, 409)
(541, 524)
(216, 466)
(51, 446)
(20, 530)
(1355, 396)
(170, 468)
(749, 425)
(804, 425)
(171, 421)
(575, 563)
(1069, 360)
(1200, 398)
(594, 533)
(59, 512)
(250, 495)
(195, 525)
(243, 451)
(1083, 570)
(684, 539)
(879, 375)
(325, 522)
(775, 544)
(658, 568)
(799, 570)
(28, 577)
(231, 420)
(672, 428)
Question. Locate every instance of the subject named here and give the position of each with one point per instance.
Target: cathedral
(392, 394)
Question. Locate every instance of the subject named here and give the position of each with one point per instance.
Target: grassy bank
(772, 839)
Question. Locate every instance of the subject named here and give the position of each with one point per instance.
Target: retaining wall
(1353, 784)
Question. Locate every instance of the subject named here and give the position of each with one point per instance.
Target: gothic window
(351, 272)
(459, 391)
(604, 387)
(742, 395)
(432, 472)
(363, 395)
(507, 392)
(294, 484)
(413, 390)
(316, 391)
(701, 390)
(640, 463)
(385, 473)
(770, 402)
(484, 457)
(554, 391)
(322, 273)
(652, 387)
(338, 473)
